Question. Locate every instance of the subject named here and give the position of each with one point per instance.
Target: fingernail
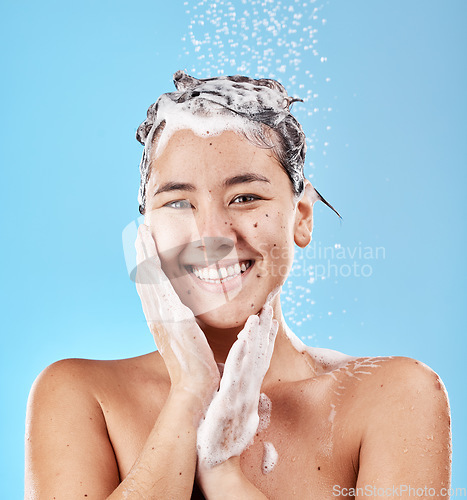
(273, 294)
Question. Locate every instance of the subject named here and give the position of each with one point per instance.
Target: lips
(220, 272)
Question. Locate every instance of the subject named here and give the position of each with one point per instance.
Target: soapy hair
(258, 109)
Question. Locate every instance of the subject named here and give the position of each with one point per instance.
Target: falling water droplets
(270, 39)
(260, 38)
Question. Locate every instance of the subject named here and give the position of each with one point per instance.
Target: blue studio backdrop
(384, 111)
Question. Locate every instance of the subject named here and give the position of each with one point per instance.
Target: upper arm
(407, 438)
(68, 451)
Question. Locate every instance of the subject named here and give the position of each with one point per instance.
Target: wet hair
(259, 109)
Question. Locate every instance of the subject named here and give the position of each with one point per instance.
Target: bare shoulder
(63, 374)
(395, 376)
(80, 386)
(68, 450)
(366, 374)
(378, 389)
(397, 410)
(63, 384)
(406, 426)
(81, 378)
(403, 392)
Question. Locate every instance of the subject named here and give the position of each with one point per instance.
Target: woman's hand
(232, 417)
(181, 342)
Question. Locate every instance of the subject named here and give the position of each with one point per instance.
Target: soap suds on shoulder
(326, 359)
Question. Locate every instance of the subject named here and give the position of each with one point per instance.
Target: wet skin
(254, 221)
(378, 434)
(335, 422)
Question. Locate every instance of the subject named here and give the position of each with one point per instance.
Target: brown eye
(245, 198)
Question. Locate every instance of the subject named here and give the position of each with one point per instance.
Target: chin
(228, 317)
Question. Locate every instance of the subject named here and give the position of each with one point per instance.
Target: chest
(298, 451)
(311, 454)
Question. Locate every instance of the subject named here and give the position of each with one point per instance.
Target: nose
(211, 249)
(216, 236)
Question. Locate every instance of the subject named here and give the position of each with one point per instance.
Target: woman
(232, 405)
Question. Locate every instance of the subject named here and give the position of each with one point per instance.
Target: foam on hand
(232, 418)
(172, 324)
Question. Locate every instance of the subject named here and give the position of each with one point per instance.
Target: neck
(287, 362)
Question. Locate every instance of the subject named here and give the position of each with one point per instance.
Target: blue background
(387, 149)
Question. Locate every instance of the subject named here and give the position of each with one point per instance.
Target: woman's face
(224, 219)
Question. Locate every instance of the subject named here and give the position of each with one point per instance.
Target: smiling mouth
(220, 274)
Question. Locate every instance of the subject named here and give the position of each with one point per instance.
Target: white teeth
(222, 273)
(213, 274)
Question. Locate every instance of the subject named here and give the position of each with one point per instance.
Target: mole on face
(255, 224)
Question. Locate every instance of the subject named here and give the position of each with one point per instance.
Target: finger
(266, 315)
(272, 295)
(264, 338)
(265, 321)
(272, 338)
(148, 269)
(251, 325)
(239, 348)
(231, 376)
(149, 264)
(160, 302)
(145, 245)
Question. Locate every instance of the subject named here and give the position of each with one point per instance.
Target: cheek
(170, 240)
(171, 231)
(275, 242)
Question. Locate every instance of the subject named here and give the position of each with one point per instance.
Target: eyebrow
(174, 186)
(231, 181)
(242, 178)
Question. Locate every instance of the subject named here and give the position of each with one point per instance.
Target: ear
(304, 217)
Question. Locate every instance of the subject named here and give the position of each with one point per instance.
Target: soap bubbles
(259, 38)
(269, 39)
